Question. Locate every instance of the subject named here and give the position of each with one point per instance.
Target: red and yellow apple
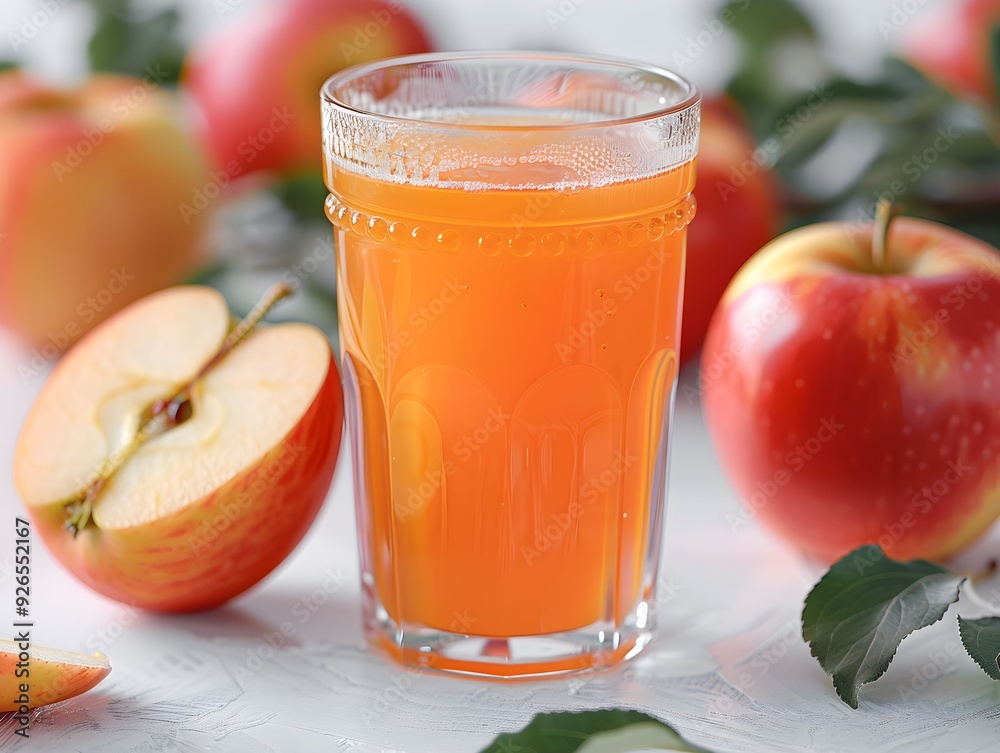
(739, 210)
(37, 676)
(852, 388)
(257, 83)
(91, 185)
(952, 45)
(189, 460)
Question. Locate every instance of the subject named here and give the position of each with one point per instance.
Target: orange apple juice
(510, 357)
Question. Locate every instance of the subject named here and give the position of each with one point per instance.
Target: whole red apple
(171, 461)
(852, 388)
(257, 83)
(91, 185)
(952, 45)
(739, 210)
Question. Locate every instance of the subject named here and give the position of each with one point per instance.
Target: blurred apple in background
(257, 82)
(92, 184)
(853, 395)
(952, 45)
(739, 210)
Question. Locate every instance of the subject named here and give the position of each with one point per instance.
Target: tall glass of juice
(510, 259)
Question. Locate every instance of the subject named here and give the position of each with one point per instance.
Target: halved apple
(53, 675)
(186, 458)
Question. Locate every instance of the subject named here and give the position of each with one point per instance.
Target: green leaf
(982, 641)
(763, 22)
(856, 616)
(127, 42)
(603, 731)
(303, 194)
(8, 65)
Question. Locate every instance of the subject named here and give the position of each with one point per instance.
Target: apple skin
(79, 245)
(951, 45)
(51, 680)
(840, 415)
(275, 62)
(215, 549)
(729, 228)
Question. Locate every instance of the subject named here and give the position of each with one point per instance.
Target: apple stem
(165, 414)
(885, 212)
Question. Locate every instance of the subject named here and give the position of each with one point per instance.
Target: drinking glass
(510, 233)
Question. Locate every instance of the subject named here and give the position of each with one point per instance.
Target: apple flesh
(853, 401)
(200, 513)
(257, 83)
(90, 186)
(739, 210)
(56, 675)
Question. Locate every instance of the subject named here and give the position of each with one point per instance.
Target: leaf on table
(602, 731)
(982, 640)
(856, 616)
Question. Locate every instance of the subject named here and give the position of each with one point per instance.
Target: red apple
(739, 210)
(187, 467)
(55, 675)
(257, 83)
(91, 182)
(952, 45)
(852, 388)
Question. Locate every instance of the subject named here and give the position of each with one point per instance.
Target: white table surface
(729, 669)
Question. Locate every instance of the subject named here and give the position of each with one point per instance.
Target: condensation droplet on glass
(600, 292)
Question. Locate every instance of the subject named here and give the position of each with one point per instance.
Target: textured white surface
(729, 670)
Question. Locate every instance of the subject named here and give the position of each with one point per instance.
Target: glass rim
(689, 93)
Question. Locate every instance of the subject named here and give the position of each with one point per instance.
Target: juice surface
(511, 357)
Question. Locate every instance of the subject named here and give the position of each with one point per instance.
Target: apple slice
(54, 675)
(187, 459)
